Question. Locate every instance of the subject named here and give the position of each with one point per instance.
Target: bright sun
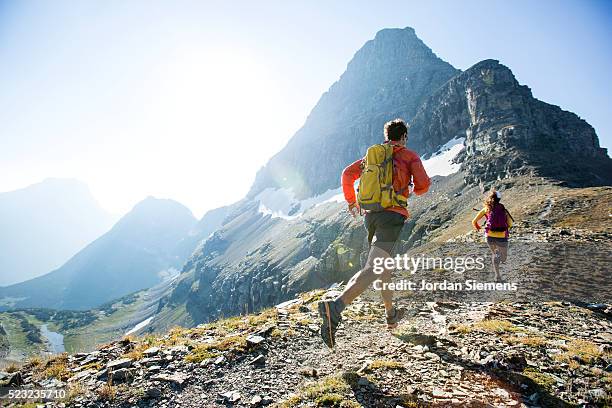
(211, 118)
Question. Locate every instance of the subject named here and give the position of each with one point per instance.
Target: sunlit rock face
(389, 77)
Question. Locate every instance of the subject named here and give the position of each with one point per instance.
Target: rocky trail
(443, 354)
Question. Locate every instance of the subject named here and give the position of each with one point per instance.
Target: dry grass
(542, 379)
(582, 350)
(137, 352)
(313, 296)
(229, 343)
(203, 351)
(75, 390)
(12, 368)
(239, 323)
(276, 333)
(55, 367)
(177, 336)
(489, 326)
(385, 365)
(34, 361)
(279, 333)
(108, 392)
(530, 341)
(200, 353)
(591, 208)
(329, 391)
(463, 328)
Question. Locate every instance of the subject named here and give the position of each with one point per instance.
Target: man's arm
(349, 175)
(419, 177)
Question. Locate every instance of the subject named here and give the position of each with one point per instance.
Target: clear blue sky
(142, 97)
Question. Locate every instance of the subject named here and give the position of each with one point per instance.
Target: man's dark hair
(395, 129)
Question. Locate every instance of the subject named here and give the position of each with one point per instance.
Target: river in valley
(54, 339)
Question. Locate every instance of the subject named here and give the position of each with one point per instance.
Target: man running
(383, 228)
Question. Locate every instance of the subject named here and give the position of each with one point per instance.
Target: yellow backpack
(375, 192)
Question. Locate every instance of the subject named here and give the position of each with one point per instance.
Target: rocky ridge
(509, 132)
(445, 354)
(326, 245)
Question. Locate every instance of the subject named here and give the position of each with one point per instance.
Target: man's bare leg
(364, 278)
(385, 293)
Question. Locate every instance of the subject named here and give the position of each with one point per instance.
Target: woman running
(498, 222)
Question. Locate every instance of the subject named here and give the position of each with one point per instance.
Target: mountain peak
(389, 77)
(154, 203)
(160, 210)
(393, 33)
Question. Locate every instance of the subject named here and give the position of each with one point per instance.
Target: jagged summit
(390, 76)
(508, 132)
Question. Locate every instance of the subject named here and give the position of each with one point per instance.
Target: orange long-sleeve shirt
(411, 170)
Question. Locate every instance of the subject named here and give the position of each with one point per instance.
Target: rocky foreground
(444, 354)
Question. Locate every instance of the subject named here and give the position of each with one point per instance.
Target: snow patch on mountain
(139, 326)
(441, 163)
(281, 202)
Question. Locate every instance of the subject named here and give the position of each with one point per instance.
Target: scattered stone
(363, 381)
(153, 392)
(256, 401)
(254, 340)
(149, 361)
(176, 378)
(151, 351)
(120, 363)
(308, 372)
(177, 350)
(13, 379)
(81, 375)
(259, 361)
(432, 356)
(230, 396)
(289, 303)
(121, 374)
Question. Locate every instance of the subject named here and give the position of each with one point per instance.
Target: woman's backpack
(497, 220)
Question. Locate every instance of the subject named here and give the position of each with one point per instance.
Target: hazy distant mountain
(43, 225)
(135, 254)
